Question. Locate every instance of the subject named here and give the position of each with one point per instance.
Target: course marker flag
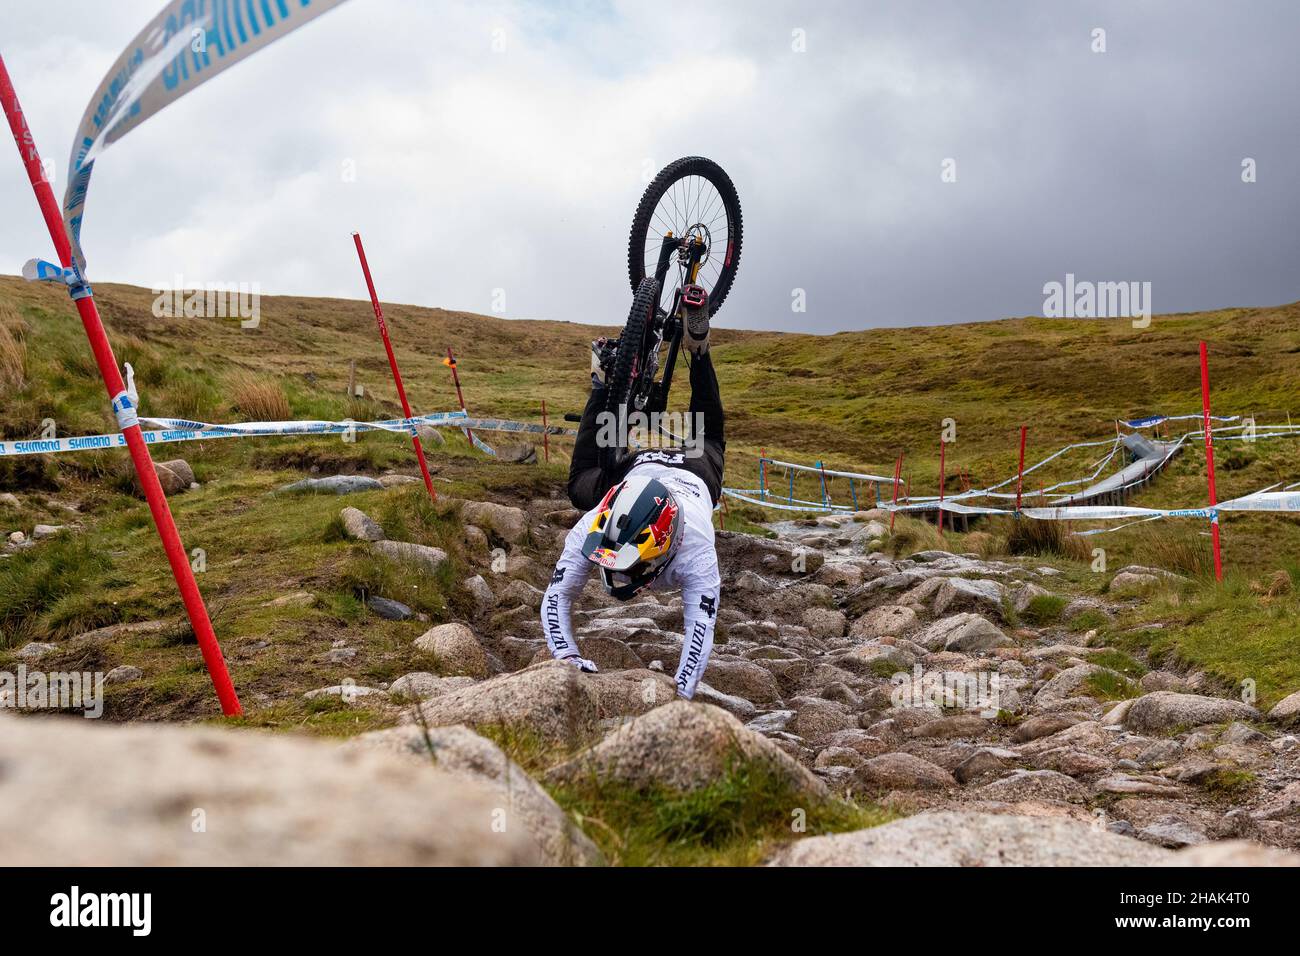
(185, 45)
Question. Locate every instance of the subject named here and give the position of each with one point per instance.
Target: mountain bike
(685, 237)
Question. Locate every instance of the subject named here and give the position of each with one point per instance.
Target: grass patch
(1046, 538)
(1089, 619)
(13, 350)
(324, 716)
(1229, 782)
(259, 399)
(736, 820)
(1119, 662)
(34, 581)
(1225, 630)
(1044, 609)
(1107, 685)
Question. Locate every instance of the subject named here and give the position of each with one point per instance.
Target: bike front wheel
(690, 196)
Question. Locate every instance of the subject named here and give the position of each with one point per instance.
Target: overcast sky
(518, 169)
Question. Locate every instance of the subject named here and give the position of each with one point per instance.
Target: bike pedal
(695, 297)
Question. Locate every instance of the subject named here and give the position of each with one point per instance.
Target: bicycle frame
(668, 325)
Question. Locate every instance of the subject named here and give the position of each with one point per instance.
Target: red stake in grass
(898, 470)
(1020, 471)
(1209, 460)
(450, 362)
(123, 408)
(392, 363)
(546, 434)
(943, 447)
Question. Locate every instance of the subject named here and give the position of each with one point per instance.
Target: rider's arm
(701, 591)
(571, 573)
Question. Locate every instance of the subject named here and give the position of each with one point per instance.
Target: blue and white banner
(186, 44)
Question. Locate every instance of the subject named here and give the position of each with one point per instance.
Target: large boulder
(421, 685)
(1036, 785)
(507, 523)
(1067, 683)
(520, 453)
(961, 632)
(888, 620)
(743, 679)
(960, 594)
(1165, 710)
(460, 751)
(1287, 709)
(335, 485)
(360, 526)
(549, 700)
(902, 771)
(421, 557)
(1233, 853)
(627, 693)
(824, 623)
(458, 651)
(189, 796)
(682, 746)
(175, 476)
(949, 838)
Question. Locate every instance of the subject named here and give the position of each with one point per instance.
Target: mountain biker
(649, 518)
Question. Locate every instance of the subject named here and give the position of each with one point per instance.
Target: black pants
(589, 479)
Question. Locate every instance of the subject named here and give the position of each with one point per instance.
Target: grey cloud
(519, 170)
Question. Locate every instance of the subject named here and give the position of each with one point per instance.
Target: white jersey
(693, 569)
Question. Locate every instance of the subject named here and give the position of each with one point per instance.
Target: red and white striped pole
(1020, 470)
(1209, 460)
(392, 363)
(107, 362)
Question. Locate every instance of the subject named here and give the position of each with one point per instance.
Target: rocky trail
(913, 684)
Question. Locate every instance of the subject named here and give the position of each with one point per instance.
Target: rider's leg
(706, 399)
(587, 481)
(706, 413)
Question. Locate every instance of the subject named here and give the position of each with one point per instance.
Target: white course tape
(178, 430)
(162, 64)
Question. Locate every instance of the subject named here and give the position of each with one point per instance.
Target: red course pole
(898, 470)
(107, 362)
(392, 363)
(546, 435)
(1020, 471)
(1209, 460)
(451, 364)
(943, 446)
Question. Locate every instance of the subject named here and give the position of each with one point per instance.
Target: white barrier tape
(123, 411)
(826, 471)
(1157, 419)
(161, 65)
(178, 429)
(833, 508)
